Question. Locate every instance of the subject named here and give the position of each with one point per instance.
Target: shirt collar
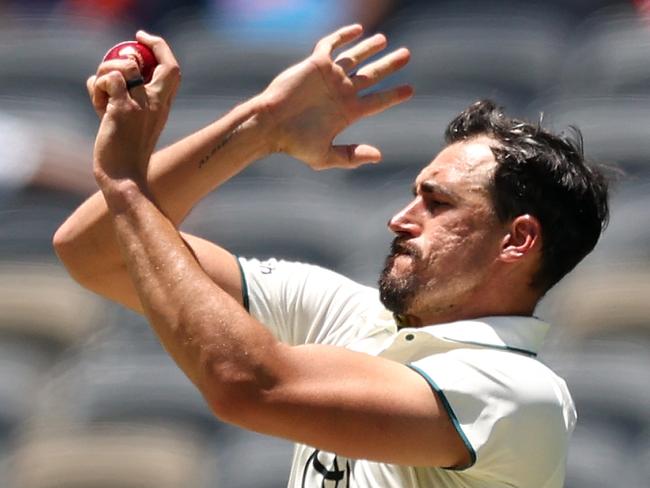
(513, 333)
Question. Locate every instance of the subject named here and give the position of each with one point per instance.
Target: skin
(453, 248)
(124, 244)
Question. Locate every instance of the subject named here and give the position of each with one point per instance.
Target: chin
(396, 289)
(400, 267)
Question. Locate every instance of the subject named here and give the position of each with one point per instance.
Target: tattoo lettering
(220, 145)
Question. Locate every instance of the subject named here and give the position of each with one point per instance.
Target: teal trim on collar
(494, 346)
(436, 389)
(517, 334)
(244, 285)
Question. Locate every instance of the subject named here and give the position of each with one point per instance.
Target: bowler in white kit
(430, 380)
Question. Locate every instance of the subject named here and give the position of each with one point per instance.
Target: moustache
(399, 247)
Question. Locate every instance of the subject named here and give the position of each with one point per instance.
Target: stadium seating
(109, 456)
(44, 317)
(613, 127)
(51, 56)
(501, 50)
(215, 64)
(609, 56)
(87, 396)
(604, 372)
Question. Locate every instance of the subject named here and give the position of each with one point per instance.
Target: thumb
(352, 155)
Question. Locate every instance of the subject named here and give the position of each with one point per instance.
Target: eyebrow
(429, 186)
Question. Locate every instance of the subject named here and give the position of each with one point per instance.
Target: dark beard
(396, 293)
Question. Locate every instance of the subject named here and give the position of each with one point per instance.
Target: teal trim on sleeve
(244, 286)
(452, 416)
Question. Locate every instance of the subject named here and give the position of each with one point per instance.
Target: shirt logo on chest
(326, 470)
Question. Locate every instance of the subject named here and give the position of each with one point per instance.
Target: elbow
(233, 404)
(238, 395)
(65, 247)
(234, 400)
(62, 243)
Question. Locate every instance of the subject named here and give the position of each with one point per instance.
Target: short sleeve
(302, 303)
(514, 414)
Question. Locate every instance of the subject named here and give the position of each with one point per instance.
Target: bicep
(359, 406)
(219, 264)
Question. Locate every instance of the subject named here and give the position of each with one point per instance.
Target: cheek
(458, 245)
(447, 237)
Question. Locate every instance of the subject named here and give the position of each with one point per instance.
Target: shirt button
(409, 337)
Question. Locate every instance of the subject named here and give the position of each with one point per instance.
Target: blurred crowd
(87, 396)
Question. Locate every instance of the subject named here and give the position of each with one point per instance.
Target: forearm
(177, 177)
(183, 173)
(211, 337)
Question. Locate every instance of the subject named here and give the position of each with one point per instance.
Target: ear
(523, 238)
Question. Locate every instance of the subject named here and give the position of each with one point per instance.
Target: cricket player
(431, 380)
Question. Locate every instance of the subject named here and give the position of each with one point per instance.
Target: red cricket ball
(142, 55)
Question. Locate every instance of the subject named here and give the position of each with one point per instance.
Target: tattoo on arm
(220, 145)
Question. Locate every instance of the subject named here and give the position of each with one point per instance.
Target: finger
(352, 155)
(90, 86)
(378, 102)
(127, 66)
(339, 38)
(352, 57)
(378, 70)
(130, 70)
(166, 76)
(136, 89)
(98, 98)
(113, 87)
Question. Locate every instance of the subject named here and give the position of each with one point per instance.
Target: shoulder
(513, 385)
(310, 304)
(303, 278)
(524, 375)
(515, 414)
(533, 411)
(294, 269)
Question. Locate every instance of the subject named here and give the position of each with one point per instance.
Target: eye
(433, 204)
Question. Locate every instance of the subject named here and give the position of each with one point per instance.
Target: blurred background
(87, 397)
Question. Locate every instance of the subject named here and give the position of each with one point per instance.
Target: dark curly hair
(544, 175)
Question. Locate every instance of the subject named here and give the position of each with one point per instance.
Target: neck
(484, 304)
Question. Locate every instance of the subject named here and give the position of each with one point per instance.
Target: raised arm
(300, 113)
(372, 408)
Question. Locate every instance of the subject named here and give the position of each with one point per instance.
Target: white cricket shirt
(513, 413)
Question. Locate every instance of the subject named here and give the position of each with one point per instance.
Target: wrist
(121, 195)
(266, 123)
(118, 191)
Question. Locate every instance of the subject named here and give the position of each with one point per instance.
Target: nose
(405, 221)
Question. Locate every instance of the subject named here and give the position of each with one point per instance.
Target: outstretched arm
(300, 113)
(374, 408)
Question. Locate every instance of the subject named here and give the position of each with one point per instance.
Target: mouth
(399, 248)
(401, 259)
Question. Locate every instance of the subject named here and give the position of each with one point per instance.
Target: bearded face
(448, 238)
